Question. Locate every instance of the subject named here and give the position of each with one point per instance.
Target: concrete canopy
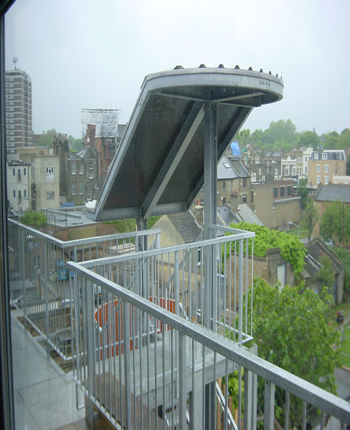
(159, 166)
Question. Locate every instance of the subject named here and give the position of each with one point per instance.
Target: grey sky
(95, 54)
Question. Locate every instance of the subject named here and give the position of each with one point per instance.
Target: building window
(91, 174)
(289, 190)
(324, 156)
(25, 193)
(306, 159)
(19, 195)
(340, 156)
(305, 170)
(326, 180)
(275, 192)
(81, 188)
(251, 196)
(244, 198)
(73, 168)
(316, 156)
(276, 170)
(282, 191)
(74, 189)
(49, 170)
(224, 186)
(91, 165)
(50, 195)
(318, 168)
(293, 171)
(286, 171)
(259, 171)
(88, 194)
(81, 168)
(326, 168)
(13, 172)
(244, 182)
(24, 171)
(14, 193)
(318, 179)
(224, 200)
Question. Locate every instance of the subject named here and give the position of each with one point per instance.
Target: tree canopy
(302, 191)
(335, 222)
(310, 217)
(37, 219)
(292, 250)
(291, 332)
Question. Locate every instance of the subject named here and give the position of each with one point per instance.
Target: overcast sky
(95, 54)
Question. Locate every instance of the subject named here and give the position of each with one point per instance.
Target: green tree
(343, 140)
(292, 250)
(280, 132)
(309, 138)
(37, 219)
(326, 273)
(344, 256)
(45, 139)
(329, 140)
(291, 331)
(310, 217)
(302, 191)
(335, 223)
(76, 145)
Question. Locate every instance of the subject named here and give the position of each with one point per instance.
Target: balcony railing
(203, 282)
(40, 287)
(145, 366)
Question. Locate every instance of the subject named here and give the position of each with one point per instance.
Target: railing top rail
(312, 394)
(161, 251)
(88, 240)
(223, 228)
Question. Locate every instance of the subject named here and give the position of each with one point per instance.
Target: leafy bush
(292, 250)
(33, 218)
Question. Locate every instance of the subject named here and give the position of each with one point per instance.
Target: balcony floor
(44, 395)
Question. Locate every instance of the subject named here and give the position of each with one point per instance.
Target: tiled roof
(227, 216)
(246, 214)
(333, 192)
(226, 170)
(231, 169)
(186, 226)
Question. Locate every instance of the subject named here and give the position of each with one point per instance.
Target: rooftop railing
(39, 284)
(204, 282)
(145, 366)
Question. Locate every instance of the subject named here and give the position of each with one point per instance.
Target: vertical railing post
(126, 349)
(46, 287)
(286, 412)
(248, 397)
(90, 322)
(269, 411)
(182, 382)
(304, 415)
(240, 293)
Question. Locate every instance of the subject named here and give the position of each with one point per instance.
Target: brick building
(324, 164)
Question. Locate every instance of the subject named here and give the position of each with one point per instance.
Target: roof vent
(237, 67)
(221, 66)
(178, 67)
(202, 66)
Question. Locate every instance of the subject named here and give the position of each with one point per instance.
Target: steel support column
(210, 210)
